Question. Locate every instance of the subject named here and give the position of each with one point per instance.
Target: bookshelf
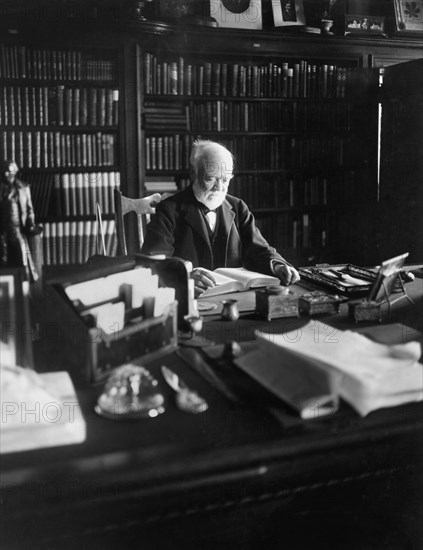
(298, 110)
(294, 125)
(59, 119)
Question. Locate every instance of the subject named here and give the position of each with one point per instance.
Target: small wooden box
(319, 303)
(274, 302)
(365, 310)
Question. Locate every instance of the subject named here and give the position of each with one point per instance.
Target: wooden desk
(236, 476)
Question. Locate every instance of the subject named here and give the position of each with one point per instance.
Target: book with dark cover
(60, 105)
(92, 106)
(181, 75)
(108, 117)
(83, 107)
(76, 100)
(101, 106)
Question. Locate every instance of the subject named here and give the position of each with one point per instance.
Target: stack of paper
(38, 410)
(366, 374)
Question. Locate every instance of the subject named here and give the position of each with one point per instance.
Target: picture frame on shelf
(409, 16)
(364, 24)
(15, 332)
(288, 13)
(237, 14)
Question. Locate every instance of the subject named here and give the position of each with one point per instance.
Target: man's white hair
(200, 149)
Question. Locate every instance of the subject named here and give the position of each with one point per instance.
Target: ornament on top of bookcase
(365, 24)
(288, 13)
(189, 12)
(237, 14)
(134, 10)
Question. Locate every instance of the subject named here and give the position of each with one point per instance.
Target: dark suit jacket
(179, 229)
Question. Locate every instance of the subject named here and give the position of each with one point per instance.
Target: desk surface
(181, 470)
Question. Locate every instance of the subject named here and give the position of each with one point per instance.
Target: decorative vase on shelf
(326, 26)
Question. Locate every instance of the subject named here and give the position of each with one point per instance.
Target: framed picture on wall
(237, 14)
(288, 13)
(409, 16)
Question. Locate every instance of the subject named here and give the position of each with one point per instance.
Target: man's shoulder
(236, 203)
(175, 201)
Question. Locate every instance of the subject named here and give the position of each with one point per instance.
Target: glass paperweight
(131, 392)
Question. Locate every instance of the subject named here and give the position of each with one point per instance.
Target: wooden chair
(141, 207)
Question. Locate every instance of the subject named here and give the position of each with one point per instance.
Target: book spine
(101, 113)
(173, 78)
(181, 75)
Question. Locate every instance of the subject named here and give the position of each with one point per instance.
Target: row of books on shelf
(55, 149)
(287, 152)
(287, 79)
(296, 231)
(246, 116)
(58, 106)
(160, 184)
(259, 191)
(165, 116)
(25, 62)
(267, 117)
(251, 152)
(75, 242)
(168, 152)
(73, 194)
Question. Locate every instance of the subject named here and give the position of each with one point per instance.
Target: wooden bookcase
(59, 117)
(297, 125)
(300, 114)
(301, 118)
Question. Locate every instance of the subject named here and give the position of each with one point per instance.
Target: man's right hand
(203, 280)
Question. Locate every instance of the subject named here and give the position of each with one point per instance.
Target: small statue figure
(17, 221)
(329, 9)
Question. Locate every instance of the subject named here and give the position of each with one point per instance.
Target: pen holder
(274, 302)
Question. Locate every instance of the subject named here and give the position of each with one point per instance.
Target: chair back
(124, 205)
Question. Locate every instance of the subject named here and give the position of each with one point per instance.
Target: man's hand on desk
(202, 280)
(287, 274)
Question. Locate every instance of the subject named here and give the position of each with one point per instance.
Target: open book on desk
(236, 279)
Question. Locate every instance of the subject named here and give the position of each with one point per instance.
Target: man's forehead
(218, 162)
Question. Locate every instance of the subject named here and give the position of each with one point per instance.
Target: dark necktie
(211, 216)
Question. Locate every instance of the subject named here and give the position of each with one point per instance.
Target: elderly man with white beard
(208, 227)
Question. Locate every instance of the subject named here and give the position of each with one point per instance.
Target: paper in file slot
(92, 292)
(164, 297)
(107, 289)
(141, 282)
(109, 317)
(305, 386)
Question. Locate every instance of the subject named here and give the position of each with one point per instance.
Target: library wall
(59, 117)
(83, 112)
